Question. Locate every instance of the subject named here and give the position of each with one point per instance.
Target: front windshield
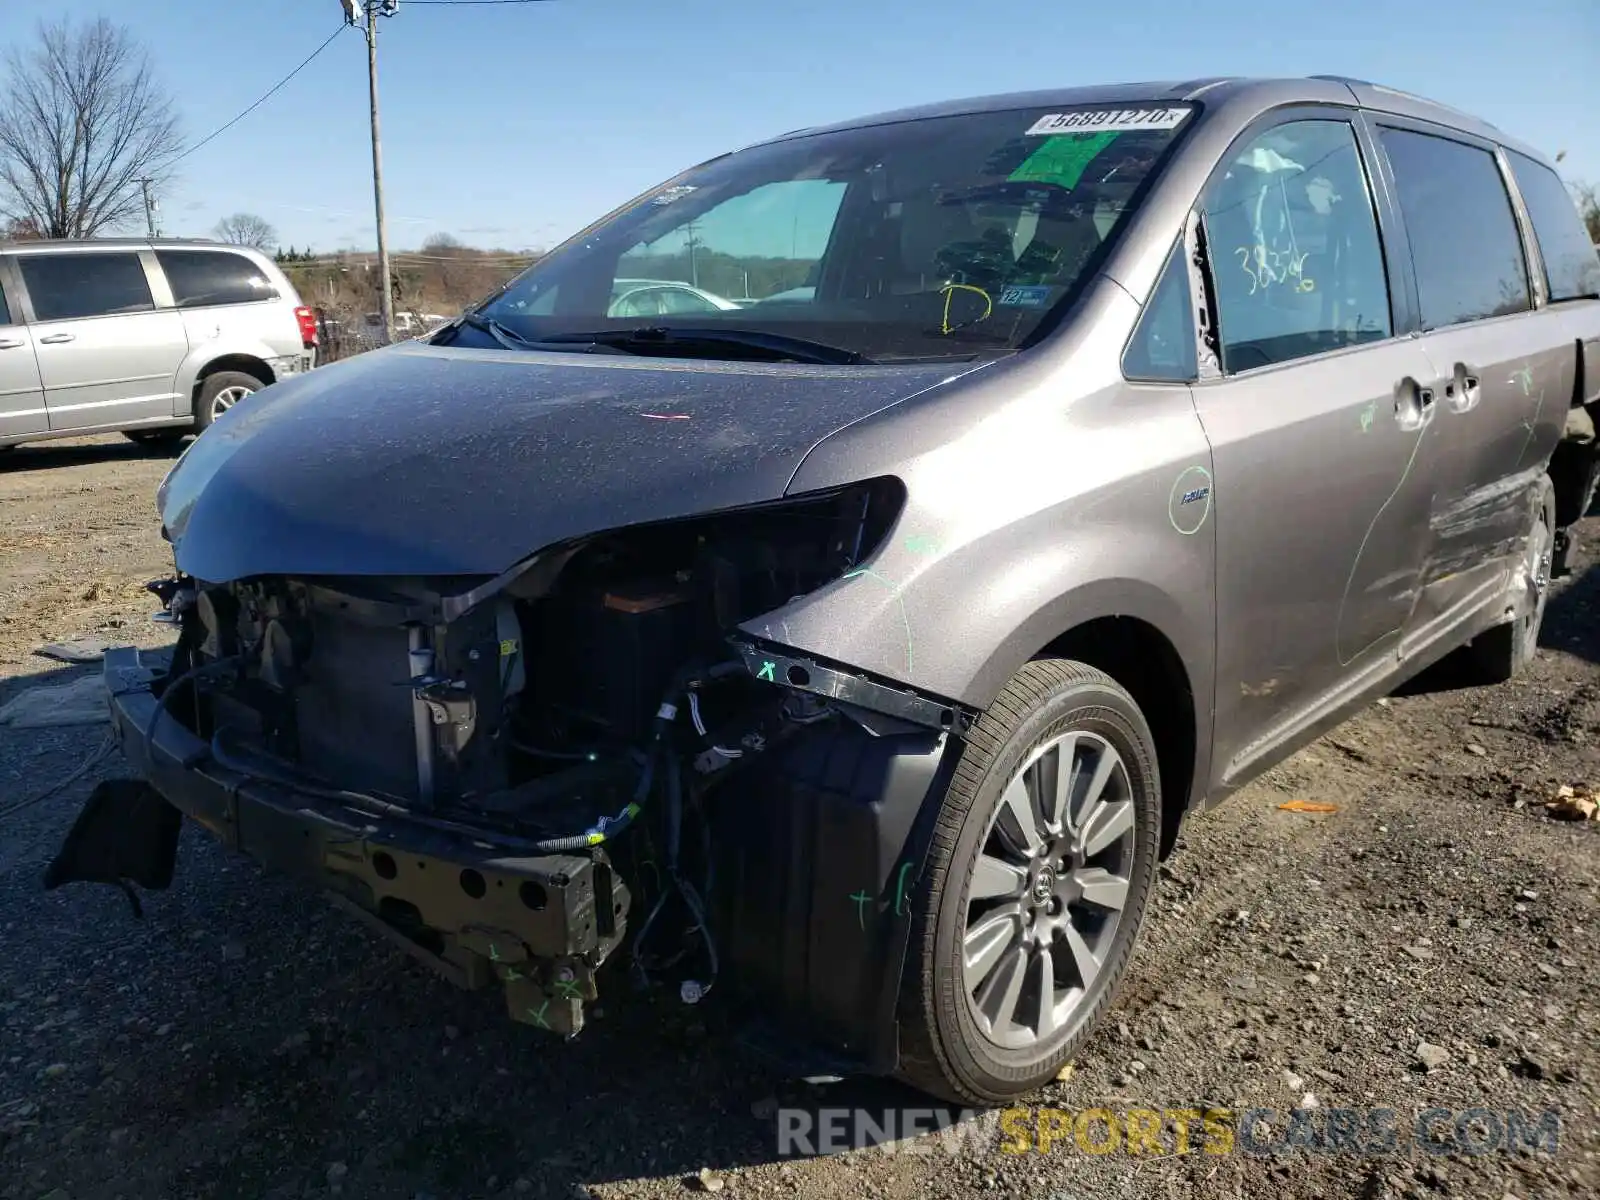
(940, 237)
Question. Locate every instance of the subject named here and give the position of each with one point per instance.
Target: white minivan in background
(150, 338)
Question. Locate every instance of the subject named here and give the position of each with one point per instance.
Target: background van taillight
(308, 326)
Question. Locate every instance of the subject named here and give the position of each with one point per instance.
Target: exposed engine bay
(579, 721)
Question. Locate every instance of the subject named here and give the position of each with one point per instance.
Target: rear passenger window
(1296, 259)
(1464, 240)
(5, 310)
(1162, 345)
(203, 277)
(63, 286)
(1571, 266)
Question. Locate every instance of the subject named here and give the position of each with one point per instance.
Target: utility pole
(373, 9)
(149, 205)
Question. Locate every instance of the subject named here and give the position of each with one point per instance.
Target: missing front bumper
(475, 905)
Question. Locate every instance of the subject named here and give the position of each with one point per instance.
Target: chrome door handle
(1413, 404)
(53, 338)
(1463, 389)
(11, 343)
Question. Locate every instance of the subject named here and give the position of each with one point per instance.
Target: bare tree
(246, 229)
(82, 120)
(1587, 196)
(444, 244)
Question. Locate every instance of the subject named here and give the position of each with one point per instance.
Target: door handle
(52, 339)
(1413, 404)
(11, 343)
(1463, 389)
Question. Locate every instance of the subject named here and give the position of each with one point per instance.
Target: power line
(267, 95)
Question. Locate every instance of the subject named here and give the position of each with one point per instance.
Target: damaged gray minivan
(848, 654)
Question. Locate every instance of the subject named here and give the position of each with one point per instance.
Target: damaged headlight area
(519, 775)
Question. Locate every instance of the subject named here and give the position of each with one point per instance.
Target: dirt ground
(1430, 945)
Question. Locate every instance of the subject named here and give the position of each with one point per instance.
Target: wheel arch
(200, 366)
(248, 364)
(1146, 640)
(1142, 659)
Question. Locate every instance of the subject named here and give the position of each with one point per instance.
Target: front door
(107, 355)
(1496, 368)
(1324, 433)
(21, 395)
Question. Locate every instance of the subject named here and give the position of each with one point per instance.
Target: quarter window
(1296, 258)
(1162, 345)
(1465, 246)
(1571, 266)
(63, 286)
(205, 277)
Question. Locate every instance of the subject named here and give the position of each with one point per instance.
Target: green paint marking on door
(862, 900)
(767, 671)
(900, 890)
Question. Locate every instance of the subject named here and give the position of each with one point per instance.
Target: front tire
(1042, 861)
(220, 392)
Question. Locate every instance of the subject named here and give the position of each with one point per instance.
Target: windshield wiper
(646, 339)
(512, 340)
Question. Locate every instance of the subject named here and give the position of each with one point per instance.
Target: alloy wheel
(1047, 891)
(227, 398)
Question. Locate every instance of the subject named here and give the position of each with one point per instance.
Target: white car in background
(663, 297)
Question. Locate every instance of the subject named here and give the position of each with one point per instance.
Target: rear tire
(996, 916)
(220, 392)
(1504, 651)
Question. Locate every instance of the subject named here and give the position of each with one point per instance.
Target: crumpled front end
(520, 776)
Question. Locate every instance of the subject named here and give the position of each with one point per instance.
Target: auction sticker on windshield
(1109, 120)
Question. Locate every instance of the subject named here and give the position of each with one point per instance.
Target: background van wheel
(1042, 861)
(1502, 652)
(155, 438)
(219, 393)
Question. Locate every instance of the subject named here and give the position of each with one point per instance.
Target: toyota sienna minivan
(849, 658)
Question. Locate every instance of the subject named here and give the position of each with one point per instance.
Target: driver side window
(1296, 259)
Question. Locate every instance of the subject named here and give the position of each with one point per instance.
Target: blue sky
(513, 125)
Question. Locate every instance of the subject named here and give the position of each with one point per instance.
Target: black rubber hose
(193, 674)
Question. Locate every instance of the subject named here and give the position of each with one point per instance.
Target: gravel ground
(1429, 945)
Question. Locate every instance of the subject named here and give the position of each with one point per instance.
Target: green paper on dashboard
(1062, 159)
